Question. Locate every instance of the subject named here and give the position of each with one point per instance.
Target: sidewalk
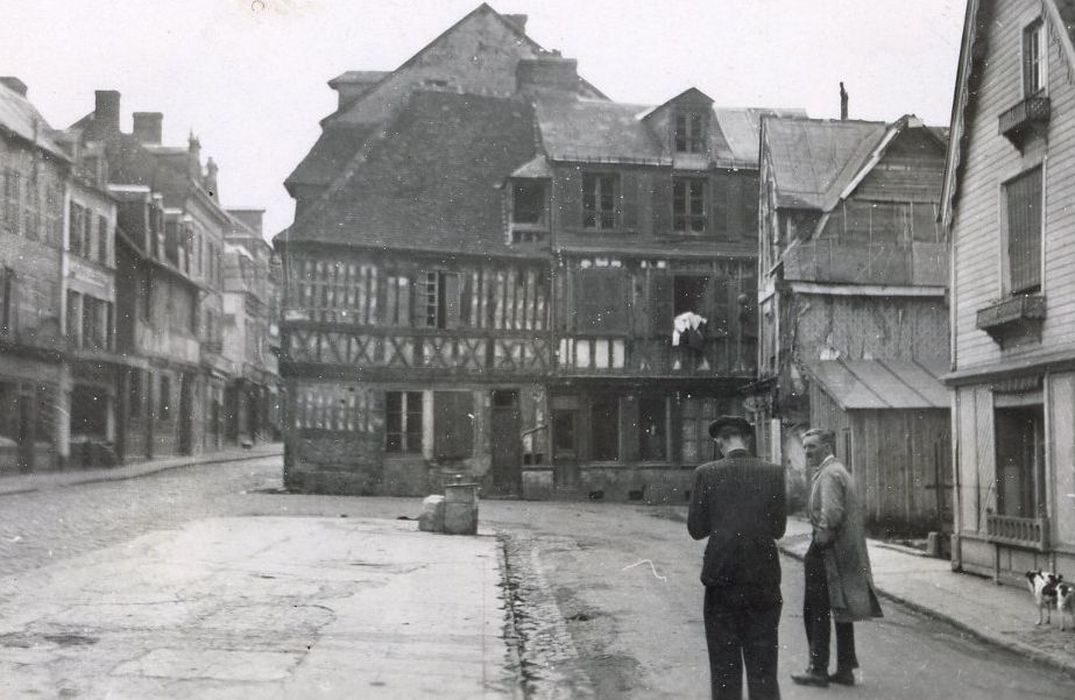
(1002, 615)
(39, 481)
(266, 607)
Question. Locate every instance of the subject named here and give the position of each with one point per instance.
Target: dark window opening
(165, 409)
(688, 205)
(403, 421)
(1020, 447)
(605, 429)
(89, 412)
(652, 429)
(599, 201)
(563, 432)
(689, 294)
(528, 203)
(440, 293)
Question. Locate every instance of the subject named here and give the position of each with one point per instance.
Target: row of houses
(495, 270)
(137, 315)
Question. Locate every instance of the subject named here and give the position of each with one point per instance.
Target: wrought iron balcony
(1017, 317)
(1027, 117)
(1020, 532)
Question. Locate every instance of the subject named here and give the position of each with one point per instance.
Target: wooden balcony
(1028, 117)
(1032, 533)
(834, 262)
(655, 357)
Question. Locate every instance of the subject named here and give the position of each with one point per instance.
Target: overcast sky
(248, 76)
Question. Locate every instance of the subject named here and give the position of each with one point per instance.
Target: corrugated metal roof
(19, 116)
(880, 384)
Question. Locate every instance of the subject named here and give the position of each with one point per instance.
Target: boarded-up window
(1024, 232)
(605, 428)
(403, 421)
(453, 424)
(600, 300)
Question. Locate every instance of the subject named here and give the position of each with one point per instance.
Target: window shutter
(601, 300)
(662, 205)
(629, 193)
(453, 424)
(1024, 231)
(569, 196)
(451, 299)
(660, 304)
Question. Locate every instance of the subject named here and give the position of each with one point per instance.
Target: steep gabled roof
(813, 160)
(432, 181)
(1058, 14)
(20, 117)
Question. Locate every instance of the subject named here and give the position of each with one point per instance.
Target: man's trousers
(738, 638)
(817, 616)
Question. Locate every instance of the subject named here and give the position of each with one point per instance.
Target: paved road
(637, 628)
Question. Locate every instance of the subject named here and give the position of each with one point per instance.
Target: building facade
(556, 310)
(1012, 380)
(853, 318)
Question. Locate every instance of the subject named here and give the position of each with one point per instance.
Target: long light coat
(837, 520)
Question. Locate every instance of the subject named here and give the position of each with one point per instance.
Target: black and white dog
(1043, 585)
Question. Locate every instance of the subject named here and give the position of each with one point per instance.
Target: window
(440, 296)
(652, 429)
(689, 294)
(32, 210)
(12, 199)
(453, 423)
(74, 228)
(528, 203)
(688, 205)
(605, 429)
(102, 239)
(1023, 198)
(1034, 59)
(89, 322)
(599, 201)
(53, 215)
(165, 410)
(89, 411)
(74, 318)
(398, 301)
(1020, 447)
(134, 395)
(600, 300)
(403, 421)
(7, 300)
(690, 132)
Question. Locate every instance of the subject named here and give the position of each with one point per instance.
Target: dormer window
(1033, 58)
(528, 203)
(690, 132)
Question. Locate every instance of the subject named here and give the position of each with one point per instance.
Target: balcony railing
(1020, 532)
(1028, 116)
(831, 261)
(719, 356)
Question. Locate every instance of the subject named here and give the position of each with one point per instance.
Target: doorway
(507, 467)
(1020, 445)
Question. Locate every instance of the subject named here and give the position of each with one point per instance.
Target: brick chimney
(106, 112)
(14, 84)
(518, 20)
(147, 126)
(547, 74)
(843, 102)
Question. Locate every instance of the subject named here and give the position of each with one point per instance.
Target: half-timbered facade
(533, 286)
(853, 321)
(1008, 188)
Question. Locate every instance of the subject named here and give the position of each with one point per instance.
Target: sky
(248, 77)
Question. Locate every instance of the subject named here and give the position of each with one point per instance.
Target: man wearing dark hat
(738, 502)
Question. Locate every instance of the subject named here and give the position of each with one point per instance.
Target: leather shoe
(811, 676)
(843, 677)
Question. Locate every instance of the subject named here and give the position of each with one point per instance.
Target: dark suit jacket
(738, 503)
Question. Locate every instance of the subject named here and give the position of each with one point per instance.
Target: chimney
(210, 179)
(547, 74)
(518, 20)
(14, 84)
(354, 84)
(147, 126)
(106, 112)
(843, 102)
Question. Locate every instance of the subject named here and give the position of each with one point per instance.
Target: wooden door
(505, 439)
(565, 451)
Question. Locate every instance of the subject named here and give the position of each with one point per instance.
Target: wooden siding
(989, 159)
(901, 461)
